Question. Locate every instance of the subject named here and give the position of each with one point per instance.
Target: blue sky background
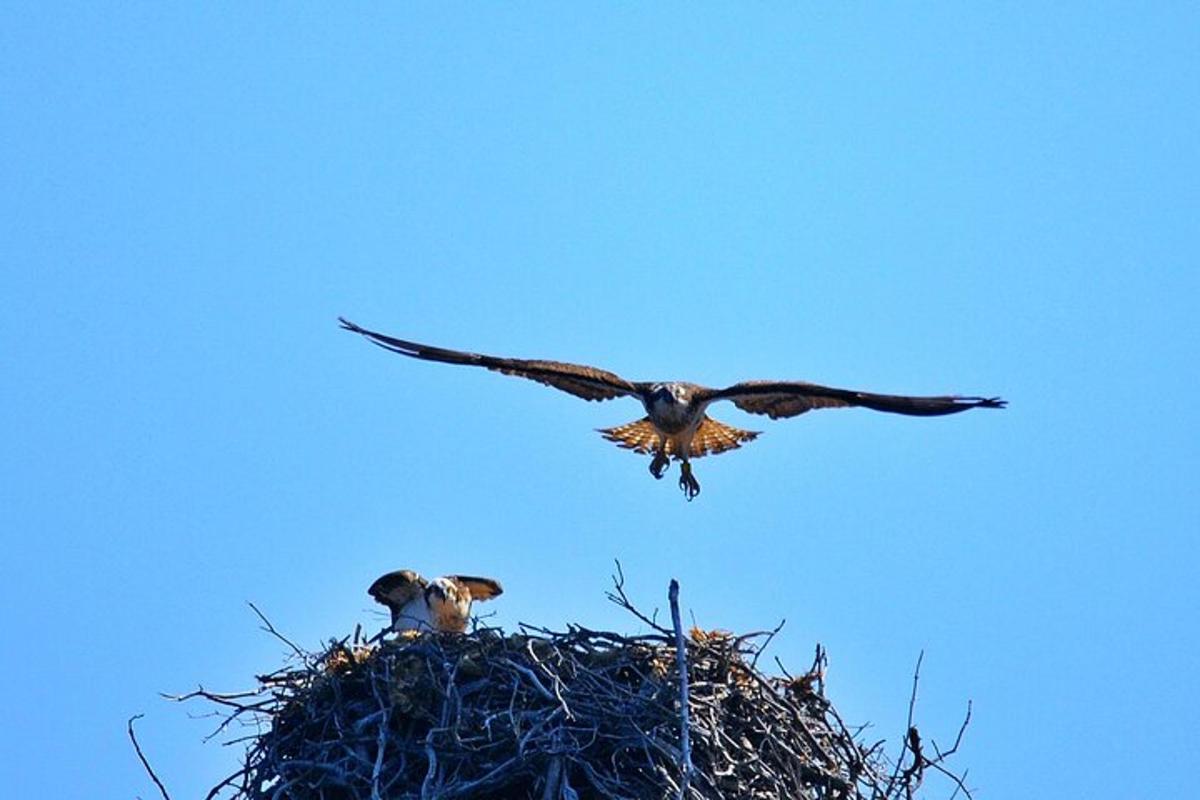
(943, 198)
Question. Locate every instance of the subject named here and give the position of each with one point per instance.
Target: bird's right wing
(583, 381)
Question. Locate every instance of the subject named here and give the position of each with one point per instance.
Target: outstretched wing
(589, 383)
(480, 588)
(779, 399)
(397, 588)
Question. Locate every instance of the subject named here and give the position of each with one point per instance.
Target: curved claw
(659, 465)
(688, 482)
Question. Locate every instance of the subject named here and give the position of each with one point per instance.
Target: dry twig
(142, 756)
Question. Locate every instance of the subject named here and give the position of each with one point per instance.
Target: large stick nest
(547, 715)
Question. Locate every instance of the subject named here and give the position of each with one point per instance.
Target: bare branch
(942, 755)
(770, 635)
(269, 628)
(685, 744)
(912, 700)
(142, 757)
(619, 597)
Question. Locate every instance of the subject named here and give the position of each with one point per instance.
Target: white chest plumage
(415, 615)
(441, 607)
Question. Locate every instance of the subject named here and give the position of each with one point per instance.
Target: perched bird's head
(449, 604)
(442, 590)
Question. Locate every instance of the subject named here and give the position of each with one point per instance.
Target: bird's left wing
(480, 588)
(779, 399)
(583, 381)
(397, 588)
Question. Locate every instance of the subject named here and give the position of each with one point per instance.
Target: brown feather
(711, 437)
(781, 404)
(714, 437)
(779, 399)
(640, 436)
(397, 588)
(480, 588)
(590, 383)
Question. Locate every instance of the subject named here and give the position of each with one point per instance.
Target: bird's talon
(690, 489)
(659, 466)
(688, 482)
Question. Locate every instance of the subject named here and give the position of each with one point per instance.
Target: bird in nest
(676, 424)
(441, 604)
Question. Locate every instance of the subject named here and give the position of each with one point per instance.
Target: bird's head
(671, 392)
(441, 590)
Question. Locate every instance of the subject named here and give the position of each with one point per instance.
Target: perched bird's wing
(779, 399)
(589, 383)
(397, 589)
(480, 588)
(403, 592)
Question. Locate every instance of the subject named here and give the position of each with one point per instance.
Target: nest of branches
(549, 715)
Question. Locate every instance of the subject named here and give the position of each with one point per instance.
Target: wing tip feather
(983, 402)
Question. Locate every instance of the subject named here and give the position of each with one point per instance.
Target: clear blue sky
(943, 198)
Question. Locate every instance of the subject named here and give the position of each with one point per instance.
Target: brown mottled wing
(480, 588)
(779, 399)
(397, 588)
(589, 383)
(714, 437)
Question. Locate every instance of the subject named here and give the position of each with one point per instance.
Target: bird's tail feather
(716, 437)
(640, 436)
(711, 437)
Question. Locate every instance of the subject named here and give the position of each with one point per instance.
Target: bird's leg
(659, 465)
(687, 482)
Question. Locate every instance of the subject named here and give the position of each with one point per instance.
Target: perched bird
(441, 604)
(676, 425)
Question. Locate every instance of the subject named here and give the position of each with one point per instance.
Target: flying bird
(442, 604)
(676, 424)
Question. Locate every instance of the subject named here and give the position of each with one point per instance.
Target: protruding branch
(269, 628)
(142, 757)
(619, 597)
(685, 739)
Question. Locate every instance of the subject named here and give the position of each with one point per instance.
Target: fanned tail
(711, 437)
(640, 436)
(714, 437)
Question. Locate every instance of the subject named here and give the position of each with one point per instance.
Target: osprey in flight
(676, 424)
(442, 604)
